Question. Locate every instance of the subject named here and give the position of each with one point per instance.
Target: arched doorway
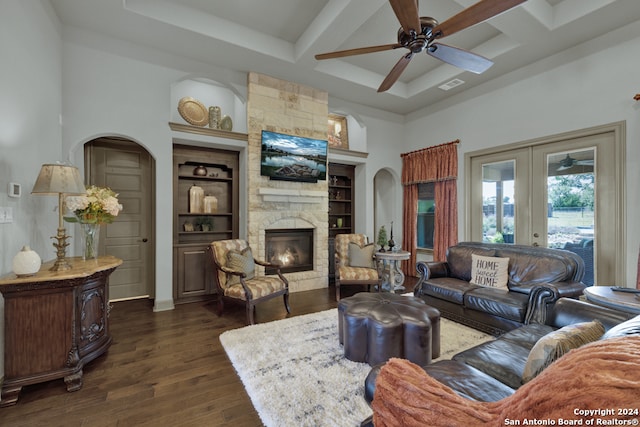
(127, 168)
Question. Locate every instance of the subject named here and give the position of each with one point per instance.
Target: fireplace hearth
(292, 248)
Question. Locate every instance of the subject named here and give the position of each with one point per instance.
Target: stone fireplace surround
(294, 210)
(289, 108)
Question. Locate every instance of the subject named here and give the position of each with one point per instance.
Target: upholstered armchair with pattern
(355, 263)
(236, 280)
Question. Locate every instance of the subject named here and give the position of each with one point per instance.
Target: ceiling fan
(569, 162)
(418, 34)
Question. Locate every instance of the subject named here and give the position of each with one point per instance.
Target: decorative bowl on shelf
(200, 171)
(193, 111)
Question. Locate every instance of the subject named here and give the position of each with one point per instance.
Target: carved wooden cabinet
(55, 323)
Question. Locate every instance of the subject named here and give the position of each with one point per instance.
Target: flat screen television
(293, 158)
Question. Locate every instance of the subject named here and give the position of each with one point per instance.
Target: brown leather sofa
(537, 278)
(493, 370)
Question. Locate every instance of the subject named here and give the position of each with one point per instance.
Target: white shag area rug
(295, 372)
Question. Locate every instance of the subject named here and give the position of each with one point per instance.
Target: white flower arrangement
(98, 206)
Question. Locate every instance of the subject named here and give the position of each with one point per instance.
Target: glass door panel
(574, 184)
(498, 202)
(498, 190)
(570, 205)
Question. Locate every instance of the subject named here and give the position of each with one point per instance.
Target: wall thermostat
(14, 189)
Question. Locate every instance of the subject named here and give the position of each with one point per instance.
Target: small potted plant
(205, 223)
(382, 238)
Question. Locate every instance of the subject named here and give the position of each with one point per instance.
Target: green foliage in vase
(382, 236)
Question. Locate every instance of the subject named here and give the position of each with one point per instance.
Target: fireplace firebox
(292, 248)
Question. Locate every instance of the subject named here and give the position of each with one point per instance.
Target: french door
(561, 192)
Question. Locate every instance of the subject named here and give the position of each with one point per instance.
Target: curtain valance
(431, 164)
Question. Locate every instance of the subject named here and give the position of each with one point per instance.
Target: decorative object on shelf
(99, 205)
(334, 180)
(382, 238)
(337, 135)
(193, 111)
(188, 226)
(391, 243)
(210, 204)
(200, 171)
(205, 223)
(59, 179)
(26, 263)
(196, 199)
(226, 123)
(214, 117)
(339, 222)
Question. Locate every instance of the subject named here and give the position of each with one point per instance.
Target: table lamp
(59, 179)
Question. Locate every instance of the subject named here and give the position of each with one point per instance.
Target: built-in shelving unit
(214, 172)
(341, 206)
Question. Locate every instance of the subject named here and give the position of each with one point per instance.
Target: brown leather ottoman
(374, 327)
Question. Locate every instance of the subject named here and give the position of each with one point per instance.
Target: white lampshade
(58, 178)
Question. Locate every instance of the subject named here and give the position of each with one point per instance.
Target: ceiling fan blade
(460, 58)
(407, 13)
(473, 15)
(357, 51)
(395, 72)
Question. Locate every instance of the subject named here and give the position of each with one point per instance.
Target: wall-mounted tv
(293, 158)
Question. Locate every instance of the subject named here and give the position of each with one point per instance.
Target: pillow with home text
(489, 271)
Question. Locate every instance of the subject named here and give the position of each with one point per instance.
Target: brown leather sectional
(537, 278)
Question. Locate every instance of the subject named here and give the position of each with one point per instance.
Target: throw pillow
(489, 271)
(240, 261)
(555, 344)
(361, 256)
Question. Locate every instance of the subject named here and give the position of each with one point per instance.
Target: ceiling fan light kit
(418, 34)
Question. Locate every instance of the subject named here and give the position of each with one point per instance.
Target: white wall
(567, 95)
(30, 105)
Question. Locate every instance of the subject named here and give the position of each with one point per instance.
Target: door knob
(535, 244)
(536, 235)
(145, 240)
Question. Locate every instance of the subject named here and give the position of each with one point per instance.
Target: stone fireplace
(291, 248)
(285, 107)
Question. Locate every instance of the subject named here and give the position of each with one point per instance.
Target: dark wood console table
(54, 323)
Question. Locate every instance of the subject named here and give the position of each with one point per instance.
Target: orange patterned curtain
(437, 164)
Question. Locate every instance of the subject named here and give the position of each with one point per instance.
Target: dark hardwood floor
(163, 369)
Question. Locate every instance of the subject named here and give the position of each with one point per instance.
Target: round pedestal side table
(388, 264)
(623, 301)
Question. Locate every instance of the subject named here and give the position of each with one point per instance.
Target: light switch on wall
(6, 215)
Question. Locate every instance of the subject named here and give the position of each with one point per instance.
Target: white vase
(26, 262)
(210, 204)
(196, 199)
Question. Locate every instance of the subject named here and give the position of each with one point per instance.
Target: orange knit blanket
(591, 385)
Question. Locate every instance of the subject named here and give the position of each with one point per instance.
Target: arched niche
(385, 203)
(356, 130)
(211, 93)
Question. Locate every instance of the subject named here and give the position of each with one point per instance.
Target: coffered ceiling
(281, 37)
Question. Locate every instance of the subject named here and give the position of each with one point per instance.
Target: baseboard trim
(165, 305)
